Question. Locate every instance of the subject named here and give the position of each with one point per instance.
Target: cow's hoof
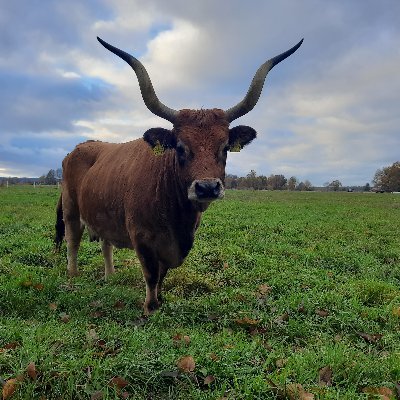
(151, 307)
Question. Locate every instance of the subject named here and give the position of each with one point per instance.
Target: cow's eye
(181, 152)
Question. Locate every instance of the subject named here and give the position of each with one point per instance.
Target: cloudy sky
(330, 111)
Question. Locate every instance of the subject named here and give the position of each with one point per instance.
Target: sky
(330, 111)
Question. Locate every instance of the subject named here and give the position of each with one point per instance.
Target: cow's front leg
(150, 267)
(107, 249)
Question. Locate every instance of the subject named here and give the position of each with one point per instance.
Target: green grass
(249, 297)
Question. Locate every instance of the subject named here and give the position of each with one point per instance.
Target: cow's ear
(160, 137)
(240, 136)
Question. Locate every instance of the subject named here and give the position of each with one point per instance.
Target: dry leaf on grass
(64, 317)
(383, 392)
(209, 379)
(264, 289)
(186, 364)
(322, 313)
(370, 338)
(119, 305)
(180, 339)
(325, 376)
(97, 395)
(9, 388)
(118, 382)
(295, 391)
(246, 321)
(31, 370)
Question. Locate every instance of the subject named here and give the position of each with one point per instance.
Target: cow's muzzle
(203, 190)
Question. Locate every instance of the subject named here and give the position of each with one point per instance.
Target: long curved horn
(149, 95)
(254, 92)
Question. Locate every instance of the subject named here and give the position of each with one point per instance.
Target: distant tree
(58, 173)
(335, 185)
(305, 186)
(276, 182)
(388, 178)
(251, 179)
(292, 182)
(50, 178)
(231, 181)
(367, 187)
(308, 186)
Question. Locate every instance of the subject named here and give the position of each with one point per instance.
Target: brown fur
(130, 197)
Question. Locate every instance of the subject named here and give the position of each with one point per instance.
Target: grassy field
(283, 292)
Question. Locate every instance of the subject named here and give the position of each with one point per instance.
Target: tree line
(386, 179)
(262, 182)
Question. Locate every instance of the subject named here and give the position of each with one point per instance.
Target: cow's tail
(60, 226)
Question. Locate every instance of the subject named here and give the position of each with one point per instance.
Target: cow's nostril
(207, 189)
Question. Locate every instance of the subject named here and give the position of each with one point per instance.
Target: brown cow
(149, 194)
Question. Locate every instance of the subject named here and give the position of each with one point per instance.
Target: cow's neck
(172, 192)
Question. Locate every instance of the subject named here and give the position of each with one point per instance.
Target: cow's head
(201, 138)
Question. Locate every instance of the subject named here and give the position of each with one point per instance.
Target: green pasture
(283, 291)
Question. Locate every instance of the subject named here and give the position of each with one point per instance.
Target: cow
(149, 194)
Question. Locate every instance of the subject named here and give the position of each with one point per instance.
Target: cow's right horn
(149, 95)
(254, 92)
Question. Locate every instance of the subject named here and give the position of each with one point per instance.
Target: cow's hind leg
(150, 267)
(73, 235)
(162, 273)
(107, 250)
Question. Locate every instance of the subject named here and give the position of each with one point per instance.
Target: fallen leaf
(209, 379)
(53, 306)
(264, 289)
(225, 265)
(97, 314)
(322, 313)
(92, 335)
(97, 395)
(38, 286)
(214, 357)
(247, 321)
(101, 343)
(119, 305)
(31, 370)
(118, 382)
(11, 346)
(296, 392)
(370, 338)
(186, 364)
(396, 311)
(9, 388)
(301, 309)
(280, 363)
(325, 376)
(293, 391)
(383, 392)
(180, 339)
(282, 318)
(64, 317)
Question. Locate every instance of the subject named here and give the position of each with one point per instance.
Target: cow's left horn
(149, 95)
(254, 92)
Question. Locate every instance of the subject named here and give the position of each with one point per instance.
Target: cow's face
(201, 140)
